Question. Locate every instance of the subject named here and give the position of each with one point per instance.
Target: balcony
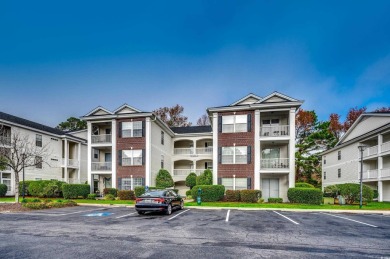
(101, 166)
(275, 163)
(370, 174)
(370, 151)
(5, 141)
(385, 147)
(275, 131)
(193, 151)
(101, 139)
(70, 163)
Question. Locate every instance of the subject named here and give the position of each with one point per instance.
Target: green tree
(205, 179)
(173, 116)
(72, 124)
(191, 180)
(164, 179)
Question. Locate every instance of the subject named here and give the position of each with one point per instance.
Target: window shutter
(219, 155)
(249, 123)
(120, 157)
(249, 154)
(205, 165)
(143, 128)
(219, 123)
(143, 181)
(249, 183)
(219, 180)
(143, 156)
(120, 130)
(119, 183)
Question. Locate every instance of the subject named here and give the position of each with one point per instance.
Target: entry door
(270, 188)
(107, 157)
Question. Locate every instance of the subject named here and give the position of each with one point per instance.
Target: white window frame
(38, 140)
(129, 127)
(7, 181)
(243, 117)
(235, 149)
(131, 158)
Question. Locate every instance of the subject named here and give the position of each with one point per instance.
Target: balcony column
(79, 162)
(194, 166)
(66, 158)
(215, 148)
(89, 155)
(257, 151)
(380, 191)
(291, 146)
(194, 147)
(113, 154)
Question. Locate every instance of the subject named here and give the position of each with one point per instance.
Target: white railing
(5, 140)
(370, 174)
(182, 172)
(275, 131)
(275, 163)
(204, 151)
(104, 138)
(70, 162)
(370, 151)
(183, 151)
(385, 172)
(101, 166)
(385, 147)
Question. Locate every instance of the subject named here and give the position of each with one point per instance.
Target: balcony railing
(183, 151)
(101, 166)
(370, 151)
(182, 172)
(275, 163)
(70, 162)
(104, 138)
(193, 151)
(204, 151)
(275, 131)
(5, 141)
(370, 174)
(385, 172)
(385, 147)
(71, 180)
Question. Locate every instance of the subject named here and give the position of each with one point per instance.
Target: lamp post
(23, 157)
(361, 149)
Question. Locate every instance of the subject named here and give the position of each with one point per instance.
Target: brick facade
(239, 139)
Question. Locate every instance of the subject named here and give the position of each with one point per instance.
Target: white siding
(367, 124)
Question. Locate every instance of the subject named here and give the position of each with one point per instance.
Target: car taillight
(159, 200)
(138, 200)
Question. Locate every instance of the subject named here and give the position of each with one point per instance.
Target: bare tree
(172, 116)
(203, 120)
(18, 152)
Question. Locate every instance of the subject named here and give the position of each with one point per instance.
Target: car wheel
(169, 209)
(182, 205)
(141, 212)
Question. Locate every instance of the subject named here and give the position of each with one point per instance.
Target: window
(95, 153)
(162, 161)
(126, 183)
(228, 183)
(38, 179)
(241, 183)
(339, 155)
(324, 175)
(132, 129)
(234, 155)
(6, 179)
(339, 173)
(324, 160)
(234, 123)
(38, 140)
(131, 157)
(235, 183)
(38, 162)
(54, 139)
(137, 182)
(162, 137)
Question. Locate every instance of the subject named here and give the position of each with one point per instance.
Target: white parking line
(349, 219)
(227, 216)
(126, 215)
(296, 223)
(79, 212)
(178, 214)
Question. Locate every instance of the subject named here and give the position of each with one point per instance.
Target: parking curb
(106, 205)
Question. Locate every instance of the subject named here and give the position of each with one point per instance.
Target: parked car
(164, 201)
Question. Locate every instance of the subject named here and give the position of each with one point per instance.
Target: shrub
(42, 188)
(126, 195)
(109, 197)
(35, 200)
(3, 190)
(275, 200)
(261, 200)
(26, 186)
(351, 192)
(191, 180)
(305, 195)
(164, 179)
(232, 195)
(209, 192)
(139, 190)
(205, 179)
(303, 185)
(91, 196)
(73, 191)
(36, 206)
(250, 195)
(188, 193)
(112, 191)
(331, 191)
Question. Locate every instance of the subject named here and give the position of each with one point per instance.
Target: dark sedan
(163, 201)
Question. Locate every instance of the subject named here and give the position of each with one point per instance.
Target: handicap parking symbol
(99, 214)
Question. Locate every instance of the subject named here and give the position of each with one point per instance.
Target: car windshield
(153, 194)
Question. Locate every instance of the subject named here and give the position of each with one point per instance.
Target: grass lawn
(8, 199)
(12, 199)
(370, 206)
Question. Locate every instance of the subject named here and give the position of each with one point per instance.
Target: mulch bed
(12, 207)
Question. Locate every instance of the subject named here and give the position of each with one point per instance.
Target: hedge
(48, 205)
(26, 185)
(73, 191)
(112, 191)
(275, 200)
(232, 195)
(44, 188)
(305, 195)
(206, 178)
(304, 185)
(188, 193)
(126, 195)
(91, 196)
(250, 195)
(3, 189)
(209, 192)
(350, 191)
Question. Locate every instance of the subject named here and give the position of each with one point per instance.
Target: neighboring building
(251, 144)
(341, 164)
(67, 159)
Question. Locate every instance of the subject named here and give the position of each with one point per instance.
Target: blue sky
(62, 59)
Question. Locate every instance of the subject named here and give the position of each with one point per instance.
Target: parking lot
(101, 232)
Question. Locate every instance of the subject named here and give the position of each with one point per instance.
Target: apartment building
(342, 164)
(249, 145)
(66, 153)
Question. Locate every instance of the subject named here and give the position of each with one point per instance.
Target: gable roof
(192, 129)
(96, 110)
(246, 98)
(125, 106)
(279, 95)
